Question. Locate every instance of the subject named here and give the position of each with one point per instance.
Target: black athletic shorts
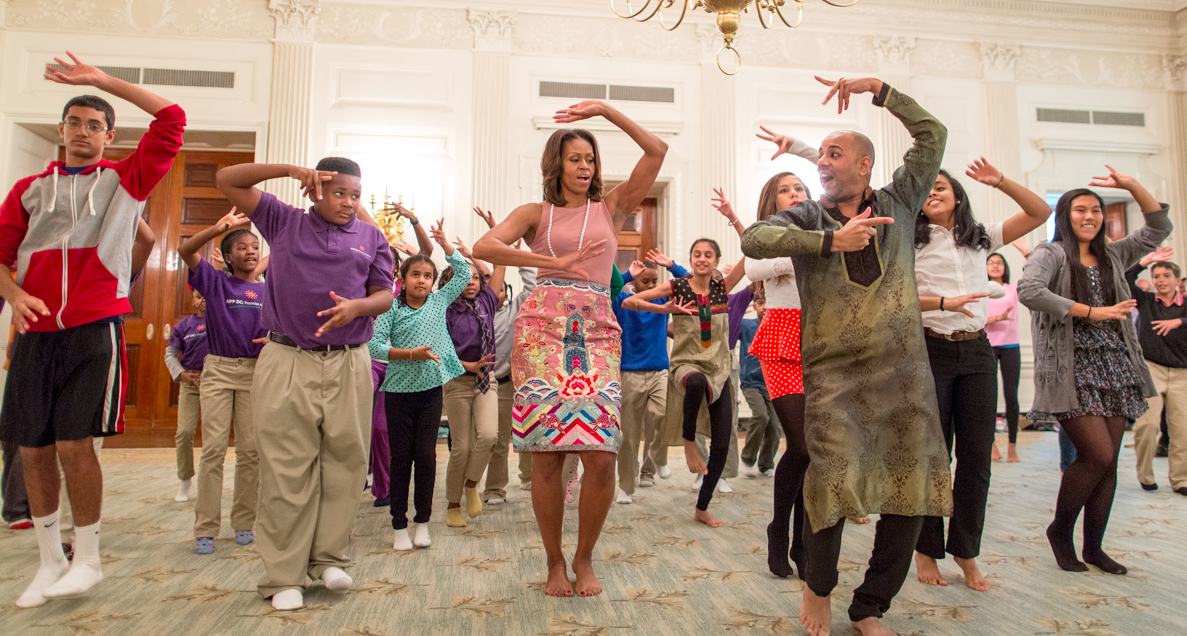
(65, 385)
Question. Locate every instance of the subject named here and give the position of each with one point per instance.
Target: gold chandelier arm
(759, 8)
(736, 54)
(680, 21)
(838, 4)
(659, 5)
(799, 18)
(628, 9)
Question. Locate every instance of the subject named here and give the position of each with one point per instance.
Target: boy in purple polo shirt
(183, 357)
(330, 275)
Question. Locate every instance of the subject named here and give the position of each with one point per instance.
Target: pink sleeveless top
(566, 231)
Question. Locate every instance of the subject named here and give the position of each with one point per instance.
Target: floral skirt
(1107, 385)
(565, 365)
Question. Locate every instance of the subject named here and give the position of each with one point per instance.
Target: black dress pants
(1010, 360)
(894, 540)
(412, 422)
(966, 389)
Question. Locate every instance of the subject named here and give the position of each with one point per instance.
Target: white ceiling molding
(1097, 147)
(544, 122)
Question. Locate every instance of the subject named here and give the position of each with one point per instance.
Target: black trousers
(966, 389)
(412, 422)
(720, 422)
(1010, 361)
(894, 538)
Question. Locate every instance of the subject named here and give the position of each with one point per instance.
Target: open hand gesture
(1120, 311)
(1163, 253)
(983, 171)
(657, 257)
(461, 247)
(191, 378)
(845, 88)
(423, 354)
(485, 216)
(27, 309)
(858, 232)
(479, 366)
(76, 74)
(1113, 180)
(1163, 327)
(404, 212)
(957, 303)
(572, 262)
(405, 247)
(722, 205)
(311, 180)
(675, 308)
(578, 112)
(343, 311)
(232, 220)
(783, 142)
(1002, 317)
(636, 268)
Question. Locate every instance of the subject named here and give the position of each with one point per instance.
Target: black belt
(280, 338)
(506, 378)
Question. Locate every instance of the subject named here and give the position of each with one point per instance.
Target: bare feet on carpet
(587, 582)
(997, 455)
(861, 521)
(872, 627)
(558, 580)
(928, 570)
(972, 574)
(708, 519)
(1012, 455)
(816, 613)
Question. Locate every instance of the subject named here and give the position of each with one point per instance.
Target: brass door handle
(148, 332)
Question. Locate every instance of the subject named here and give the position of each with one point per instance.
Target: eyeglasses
(75, 124)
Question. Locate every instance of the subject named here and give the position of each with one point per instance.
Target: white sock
(53, 563)
(85, 571)
(288, 600)
(336, 580)
(183, 491)
(402, 543)
(421, 538)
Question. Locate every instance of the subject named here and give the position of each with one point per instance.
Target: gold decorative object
(729, 16)
(389, 219)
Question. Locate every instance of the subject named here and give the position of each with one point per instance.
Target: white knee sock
(85, 572)
(53, 563)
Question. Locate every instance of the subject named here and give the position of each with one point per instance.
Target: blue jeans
(1067, 451)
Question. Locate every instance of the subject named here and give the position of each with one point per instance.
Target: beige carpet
(663, 574)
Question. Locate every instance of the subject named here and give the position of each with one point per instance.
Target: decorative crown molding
(998, 60)
(296, 20)
(894, 53)
(492, 28)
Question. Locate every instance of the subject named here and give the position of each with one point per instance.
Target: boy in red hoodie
(68, 233)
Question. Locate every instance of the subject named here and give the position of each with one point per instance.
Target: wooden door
(637, 236)
(1116, 222)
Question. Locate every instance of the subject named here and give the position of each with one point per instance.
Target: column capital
(1175, 69)
(894, 54)
(998, 61)
(296, 20)
(492, 29)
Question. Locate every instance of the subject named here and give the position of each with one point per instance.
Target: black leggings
(894, 544)
(412, 422)
(1088, 484)
(1009, 359)
(789, 489)
(721, 413)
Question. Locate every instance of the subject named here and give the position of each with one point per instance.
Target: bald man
(871, 421)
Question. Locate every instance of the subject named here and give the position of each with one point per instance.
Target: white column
(292, 79)
(1176, 72)
(893, 141)
(492, 104)
(719, 168)
(1002, 143)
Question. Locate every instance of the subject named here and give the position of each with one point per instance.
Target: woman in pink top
(567, 347)
(1002, 329)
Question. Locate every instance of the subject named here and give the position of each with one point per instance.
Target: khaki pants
(473, 426)
(65, 509)
(225, 398)
(1171, 385)
(188, 410)
(497, 473)
(644, 394)
(314, 415)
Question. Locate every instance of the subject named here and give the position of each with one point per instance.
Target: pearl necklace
(584, 223)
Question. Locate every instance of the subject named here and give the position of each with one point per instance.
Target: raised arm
(789, 145)
(422, 237)
(1145, 239)
(80, 74)
(722, 205)
(1035, 210)
(735, 276)
(496, 245)
(238, 182)
(623, 199)
(674, 268)
(188, 250)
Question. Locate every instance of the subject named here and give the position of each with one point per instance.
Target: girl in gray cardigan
(1090, 374)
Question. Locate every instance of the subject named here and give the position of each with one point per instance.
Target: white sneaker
(751, 472)
(495, 501)
(770, 472)
(623, 498)
(370, 481)
(696, 484)
(664, 472)
(527, 485)
(723, 487)
(183, 491)
(421, 538)
(403, 542)
(288, 600)
(646, 482)
(336, 580)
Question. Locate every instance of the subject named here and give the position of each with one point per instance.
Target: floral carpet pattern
(663, 574)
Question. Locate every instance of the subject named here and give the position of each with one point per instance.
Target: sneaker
(750, 470)
(527, 485)
(770, 472)
(21, 524)
(1182, 490)
(1160, 451)
(664, 472)
(1149, 486)
(370, 481)
(623, 498)
(722, 486)
(204, 545)
(245, 537)
(381, 503)
(696, 484)
(646, 482)
(495, 501)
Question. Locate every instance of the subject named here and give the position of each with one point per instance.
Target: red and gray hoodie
(70, 236)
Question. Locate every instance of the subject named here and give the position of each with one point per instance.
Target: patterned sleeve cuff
(826, 245)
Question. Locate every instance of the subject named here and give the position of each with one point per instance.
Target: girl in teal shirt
(413, 338)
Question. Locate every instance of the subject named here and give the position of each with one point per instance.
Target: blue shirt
(750, 371)
(644, 334)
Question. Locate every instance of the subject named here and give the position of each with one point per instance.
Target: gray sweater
(1045, 289)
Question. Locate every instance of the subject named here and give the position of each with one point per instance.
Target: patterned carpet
(663, 574)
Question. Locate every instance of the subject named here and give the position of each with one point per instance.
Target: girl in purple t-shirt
(234, 304)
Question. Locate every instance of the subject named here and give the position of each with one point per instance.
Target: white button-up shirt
(945, 270)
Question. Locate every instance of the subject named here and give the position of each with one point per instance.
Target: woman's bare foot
(927, 570)
(558, 580)
(872, 627)
(996, 453)
(816, 613)
(1012, 455)
(972, 574)
(587, 582)
(861, 521)
(708, 519)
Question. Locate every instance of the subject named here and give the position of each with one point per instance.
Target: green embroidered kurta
(872, 423)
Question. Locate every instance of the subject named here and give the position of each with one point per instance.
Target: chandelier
(729, 16)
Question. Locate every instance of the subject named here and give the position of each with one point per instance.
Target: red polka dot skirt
(777, 347)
